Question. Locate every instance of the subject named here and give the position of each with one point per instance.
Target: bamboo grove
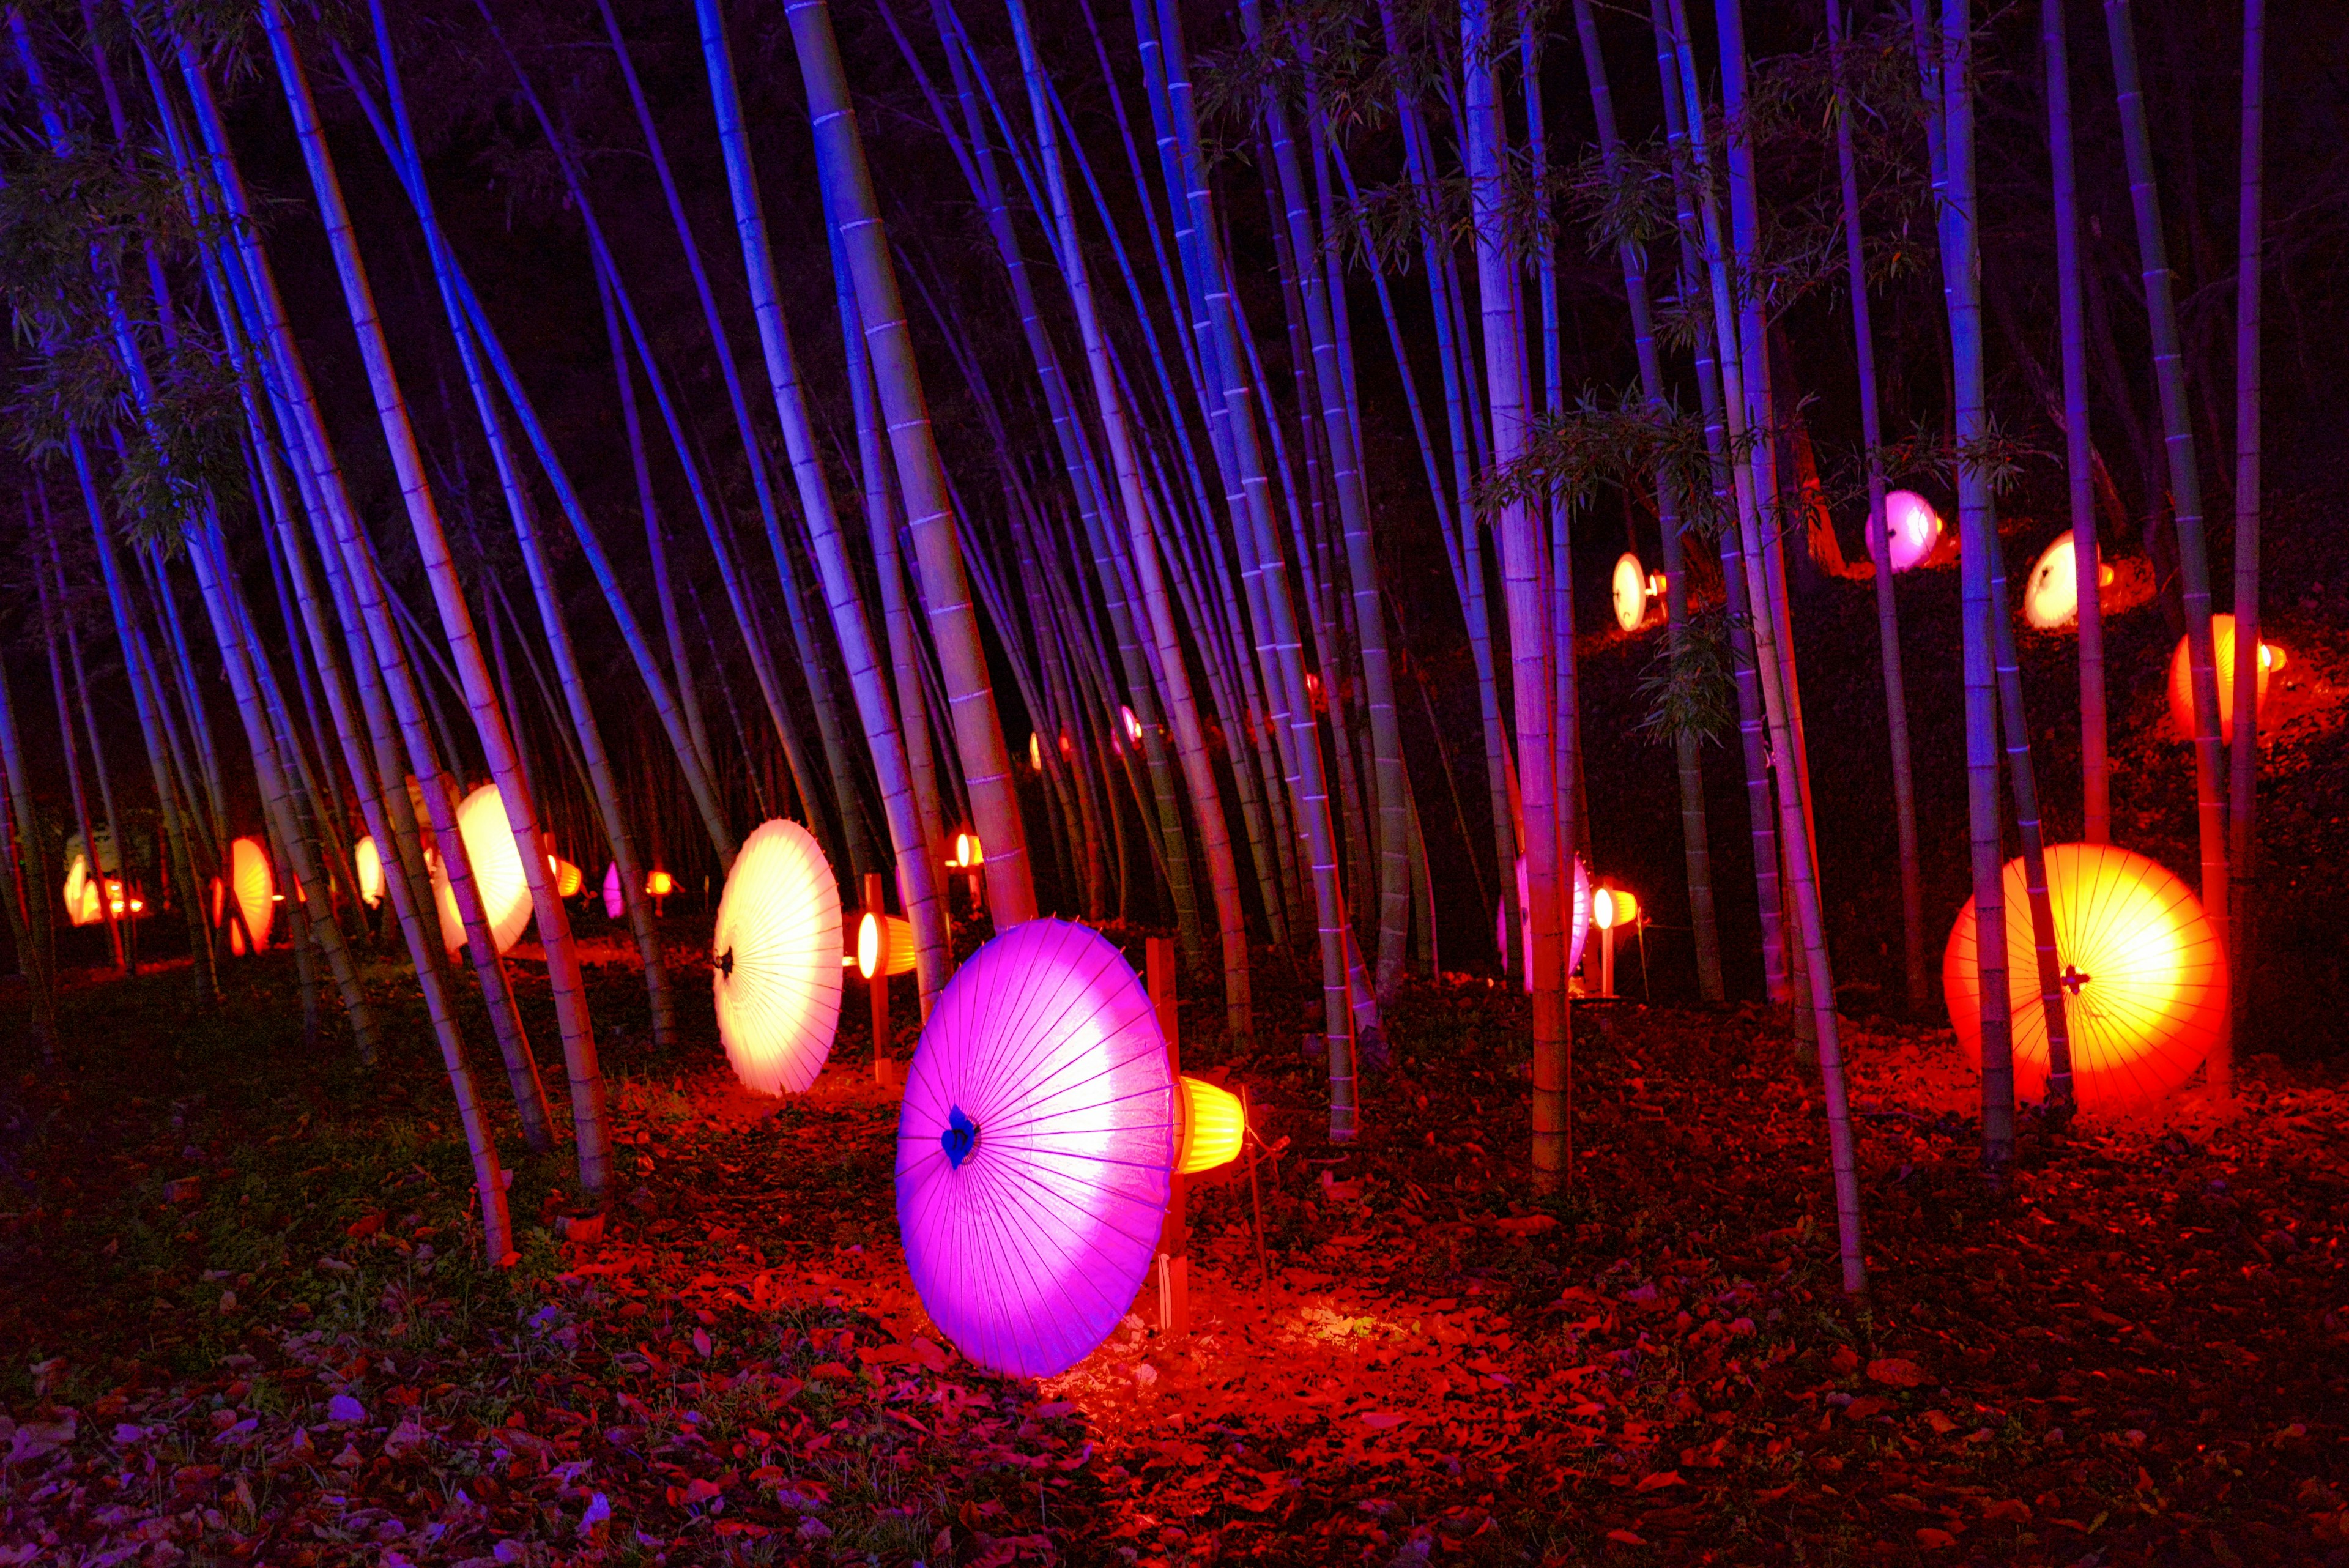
(312, 516)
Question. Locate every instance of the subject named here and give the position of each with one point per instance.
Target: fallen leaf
(1895, 1372)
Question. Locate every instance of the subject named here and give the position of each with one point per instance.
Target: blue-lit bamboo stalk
(851, 205)
(2185, 499)
(585, 1074)
(29, 919)
(41, 551)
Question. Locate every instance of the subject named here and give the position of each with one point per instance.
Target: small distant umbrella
(616, 901)
(256, 893)
(1035, 1148)
(1912, 529)
(482, 824)
(81, 894)
(775, 955)
(367, 861)
(2050, 595)
(2222, 648)
(1578, 929)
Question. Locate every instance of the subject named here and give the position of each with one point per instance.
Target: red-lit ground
(2140, 1353)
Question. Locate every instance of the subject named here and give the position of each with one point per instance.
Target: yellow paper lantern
(2181, 678)
(81, 894)
(1035, 753)
(498, 879)
(1633, 590)
(967, 855)
(1213, 1128)
(1612, 907)
(367, 860)
(660, 885)
(568, 878)
(2145, 985)
(1912, 529)
(2051, 596)
(880, 938)
(775, 959)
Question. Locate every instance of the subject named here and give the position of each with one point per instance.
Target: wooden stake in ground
(1173, 1266)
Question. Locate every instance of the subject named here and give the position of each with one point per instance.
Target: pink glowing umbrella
(615, 902)
(1034, 1148)
(1578, 930)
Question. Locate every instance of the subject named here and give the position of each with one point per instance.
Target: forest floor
(2139, 1352)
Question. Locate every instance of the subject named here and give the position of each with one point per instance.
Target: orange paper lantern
(2181, 678)
(2145, 983)
(881, 939)
(1212, 1128)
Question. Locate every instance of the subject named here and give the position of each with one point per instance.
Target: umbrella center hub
(726, 964)
(2074, 979)
(960, 1139)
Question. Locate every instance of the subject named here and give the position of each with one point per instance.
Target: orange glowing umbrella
(2181, 689)
(2145, 983)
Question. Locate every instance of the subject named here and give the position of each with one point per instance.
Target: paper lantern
(968, 856)
(1578, 930)
(1213, 1128)
(1035, 1148)
(1612, 909)
(1634, 590)
(2145, 983)
(1035, 753)
(615, 902)
(568, 878)
(367, 861)
(498, 879)
(879, 939)
(1912, 529)
(2051, 596)
(775, 955)
(2181, 678)
(1133, 725)
(256, 890)
(660, 885)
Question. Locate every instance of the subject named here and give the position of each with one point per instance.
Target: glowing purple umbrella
(1034, 1148)
(1578, 929)
(615, 902)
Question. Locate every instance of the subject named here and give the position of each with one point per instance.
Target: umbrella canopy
(256, 893)
(775, 958)
(1578, 928)
(498, 875)
(367, 861)
(1035, 1148)
(2144, 986)
(615, 898)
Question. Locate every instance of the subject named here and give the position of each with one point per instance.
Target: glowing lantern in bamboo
(658, 886)
(1214, 1126)
(2051, 596)
(568, 878)
(2181, 678)
(1132, 724)
(2145, 985)
(1577, 924)
(367, 860)
(1612, 909)
(1912, 529)
(498, 880)
(1634, 590)
(881, 939)
(1036, 1149)
(1035, 753)
(616, 901)
(775, 959)
(256, 895)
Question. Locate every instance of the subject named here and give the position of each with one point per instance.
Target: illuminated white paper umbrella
(498, 876)
(1035, 1148)
(1633, 588)
(1578, 929)
(2050, 595)
(775, 959)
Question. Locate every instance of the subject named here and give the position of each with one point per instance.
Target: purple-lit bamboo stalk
(1880, 552)
(41, 549)
(29, 920)
(2079, 447)
(2186, 500)
(2243, 753)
